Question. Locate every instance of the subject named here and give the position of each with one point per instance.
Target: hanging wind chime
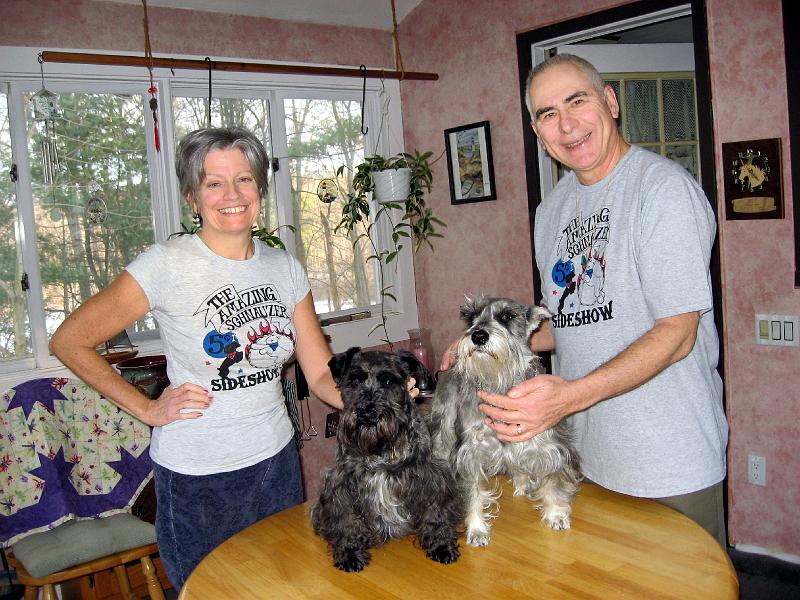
(46, 110)
(148, 53)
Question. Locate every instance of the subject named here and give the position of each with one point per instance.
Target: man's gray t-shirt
(226, 325)
(614, 257)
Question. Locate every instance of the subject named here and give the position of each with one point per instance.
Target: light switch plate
(777, 330)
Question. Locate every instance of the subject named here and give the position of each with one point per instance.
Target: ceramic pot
(392, 185)
(148, 373)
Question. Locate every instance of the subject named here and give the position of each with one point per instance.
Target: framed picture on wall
(469, 163)
(753, 179)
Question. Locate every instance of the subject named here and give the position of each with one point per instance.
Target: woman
(231, 311)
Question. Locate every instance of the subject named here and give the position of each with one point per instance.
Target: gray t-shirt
(226, 325)
(614, 257)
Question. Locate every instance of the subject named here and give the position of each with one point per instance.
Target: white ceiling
(374, 14)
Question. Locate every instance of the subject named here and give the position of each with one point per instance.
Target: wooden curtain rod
(202, 65)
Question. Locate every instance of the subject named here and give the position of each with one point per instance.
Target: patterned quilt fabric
(65, 453)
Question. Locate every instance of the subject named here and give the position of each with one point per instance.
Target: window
(91, 196)
(321, 136)
(91, 192)
(657, 111)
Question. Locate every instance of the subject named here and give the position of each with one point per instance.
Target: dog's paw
(351, 561)
(478, 538)
(445, 554)
(557, 521)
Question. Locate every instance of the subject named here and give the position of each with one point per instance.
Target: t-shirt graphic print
(247, 327)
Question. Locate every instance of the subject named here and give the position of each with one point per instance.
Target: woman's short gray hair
(595, 79)
(194, 146)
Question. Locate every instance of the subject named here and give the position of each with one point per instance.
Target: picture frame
(469, 163)
(753, 175)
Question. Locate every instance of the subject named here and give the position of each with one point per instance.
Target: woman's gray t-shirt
(226, 325)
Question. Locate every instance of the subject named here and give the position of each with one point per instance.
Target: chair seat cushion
(77, 542)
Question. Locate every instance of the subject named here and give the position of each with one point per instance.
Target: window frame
(20, 73)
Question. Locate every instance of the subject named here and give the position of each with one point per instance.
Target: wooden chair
(73, 464)
(116, 561)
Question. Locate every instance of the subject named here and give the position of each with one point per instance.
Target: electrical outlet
(756, 469)
(331, 424)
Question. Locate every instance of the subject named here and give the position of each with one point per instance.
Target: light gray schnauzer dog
(493, 355)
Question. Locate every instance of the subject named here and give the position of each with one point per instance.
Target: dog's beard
(371, 432)
(494, 366)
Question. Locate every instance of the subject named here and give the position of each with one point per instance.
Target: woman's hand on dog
(413, 391)
(528, 409)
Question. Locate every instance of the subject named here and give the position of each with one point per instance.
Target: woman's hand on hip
(187, 401)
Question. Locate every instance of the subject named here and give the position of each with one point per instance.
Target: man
(623, 245)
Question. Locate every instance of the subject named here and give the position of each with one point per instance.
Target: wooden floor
(765, 577)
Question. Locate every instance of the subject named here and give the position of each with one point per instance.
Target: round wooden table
(618, 547)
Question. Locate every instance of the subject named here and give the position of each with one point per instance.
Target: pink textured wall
(762, 382)
(471, 44)
(109, 26)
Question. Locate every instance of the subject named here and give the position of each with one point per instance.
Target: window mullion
(281, 181)
(27, 229)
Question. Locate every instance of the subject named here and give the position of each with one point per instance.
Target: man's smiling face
(575, 123)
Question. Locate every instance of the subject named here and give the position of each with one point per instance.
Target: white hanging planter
(392, 185)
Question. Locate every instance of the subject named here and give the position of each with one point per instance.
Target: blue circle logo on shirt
(563, 272)
(215, 343)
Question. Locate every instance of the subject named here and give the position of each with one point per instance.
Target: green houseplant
(266, 235)
(416, 221)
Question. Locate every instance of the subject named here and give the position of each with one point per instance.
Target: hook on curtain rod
(363, 69)
(208, 110)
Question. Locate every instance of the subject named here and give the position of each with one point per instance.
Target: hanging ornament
(46, 110)
(327, 190)
(96, 208)
(148, 53)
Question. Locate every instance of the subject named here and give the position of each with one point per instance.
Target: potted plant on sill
(417, 223)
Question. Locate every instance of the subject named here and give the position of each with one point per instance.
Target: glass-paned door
(658, 112)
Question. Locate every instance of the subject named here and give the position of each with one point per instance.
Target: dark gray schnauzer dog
(493, 355)
(386, 483)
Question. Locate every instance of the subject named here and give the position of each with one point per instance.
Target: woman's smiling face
(228, 199)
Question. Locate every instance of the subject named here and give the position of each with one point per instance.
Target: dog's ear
(467, 310)
(339, 363)
(410, 362)
(535, 315)
(414, 368)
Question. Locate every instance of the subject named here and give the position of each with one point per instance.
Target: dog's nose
(479, 337)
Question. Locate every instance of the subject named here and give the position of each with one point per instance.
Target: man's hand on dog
(534, 405)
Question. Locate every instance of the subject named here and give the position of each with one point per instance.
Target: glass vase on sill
(420, 347)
